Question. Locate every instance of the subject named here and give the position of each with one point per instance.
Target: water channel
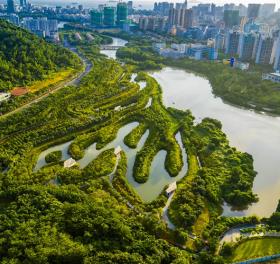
(158, 178)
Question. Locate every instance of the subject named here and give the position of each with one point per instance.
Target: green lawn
(256, 248)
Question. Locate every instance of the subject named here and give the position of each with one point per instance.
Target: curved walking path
(73, 81)
(165, 217)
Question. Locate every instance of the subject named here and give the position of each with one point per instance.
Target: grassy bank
(255, 248)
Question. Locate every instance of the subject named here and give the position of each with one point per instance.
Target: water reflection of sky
(257, 134)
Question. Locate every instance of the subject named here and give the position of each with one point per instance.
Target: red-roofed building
(18, 91)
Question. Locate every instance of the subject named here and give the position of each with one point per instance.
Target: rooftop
(275, 74)
(18, 91)
(171, 187)
(69, 163)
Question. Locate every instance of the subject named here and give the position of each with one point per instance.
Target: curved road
(74, 81)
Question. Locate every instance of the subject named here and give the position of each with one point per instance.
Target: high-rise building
(12, 18)
(23, 3)
(264, 50)
(10, 6)
(231, 18)
(277, 56)
(246, 46)
(253, 11)
(130, 7)
(172, 16)
(30, 24)
(187, 18)
(143, 23)
(96, 18)
(122, 13)
(151, 23)
(162, 8)
(53, 26)
(44, 25)
(179, 5)
(109, 14)
(266, 10)
(232, 42)
(220, 41)
(242, 10)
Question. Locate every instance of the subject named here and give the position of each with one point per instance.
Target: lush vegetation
(22, 62)
(143, 60)
(54, 156)
(103, 165)
(225, 174)
(80, 215)
(135, 135)
(255, 248)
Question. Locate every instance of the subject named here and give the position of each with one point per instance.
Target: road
(74, 81)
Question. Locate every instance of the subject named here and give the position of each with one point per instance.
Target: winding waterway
(158, 177)
(249, 131)
(255, 133)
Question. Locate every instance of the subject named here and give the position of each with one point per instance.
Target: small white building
(89, 37)
(118, 108)
(69, 163)
(274, 77)
(179, 47)
(78, 36)
(171, 188)
(4, 97)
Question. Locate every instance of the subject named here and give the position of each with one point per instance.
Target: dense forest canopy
(24, 57)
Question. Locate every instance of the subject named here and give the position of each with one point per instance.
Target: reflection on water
(62, 147)
(254, 133)
(112, 53)
(158, 178)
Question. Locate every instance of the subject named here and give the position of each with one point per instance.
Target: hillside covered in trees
(25, 58)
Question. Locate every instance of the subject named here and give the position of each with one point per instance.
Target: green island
(91, 213)
(53, 156)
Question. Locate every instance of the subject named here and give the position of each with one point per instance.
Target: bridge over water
(108, 47)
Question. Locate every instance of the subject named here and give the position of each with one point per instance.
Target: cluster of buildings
(262, 48)
(41, 26)
(110, 16)
(238, 31)
(194, 51)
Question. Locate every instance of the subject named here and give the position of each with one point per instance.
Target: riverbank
(241, 88)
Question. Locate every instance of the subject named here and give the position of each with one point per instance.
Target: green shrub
(54, 156)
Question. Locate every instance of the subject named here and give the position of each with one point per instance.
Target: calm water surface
(254, 133)
(112, 53)
(158, 177)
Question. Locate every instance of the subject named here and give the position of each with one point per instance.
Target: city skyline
(147, 4)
